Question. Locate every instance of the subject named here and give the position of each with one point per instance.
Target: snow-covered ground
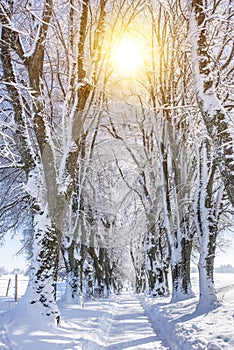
(186, 329)
(129, 322)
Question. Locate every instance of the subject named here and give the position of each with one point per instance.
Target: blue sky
(8, 257)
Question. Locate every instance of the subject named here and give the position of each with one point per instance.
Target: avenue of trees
(116, 176)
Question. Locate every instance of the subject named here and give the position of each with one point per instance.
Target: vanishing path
(130, 327)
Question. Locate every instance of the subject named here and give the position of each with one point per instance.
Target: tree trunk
(208, 297)
(74, 256)
(156, 277)
(176, 224)
(40, 296)
(139, 268)
(140, 280)
(207, 210)
(180, 269)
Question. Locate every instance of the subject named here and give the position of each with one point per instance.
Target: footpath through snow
(130, 327)
(108, 324)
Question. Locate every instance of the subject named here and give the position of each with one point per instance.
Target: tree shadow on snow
(133, 343)
(199, 311)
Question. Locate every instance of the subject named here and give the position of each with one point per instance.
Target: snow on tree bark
(173, 158)
(155, 265)
(20, 130)
(208, 204)
(214, 114)
(49, 204)
(74, 256)
(41, 289)
(169, 94)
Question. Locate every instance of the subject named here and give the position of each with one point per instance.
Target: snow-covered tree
(212, 51)
(171, 97)
(209, 205)
(49, 153)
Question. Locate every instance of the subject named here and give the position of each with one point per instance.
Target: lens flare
(127, 57)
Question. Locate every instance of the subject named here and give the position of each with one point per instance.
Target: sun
(127, 57)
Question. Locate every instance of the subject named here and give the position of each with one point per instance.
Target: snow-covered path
(130, 327)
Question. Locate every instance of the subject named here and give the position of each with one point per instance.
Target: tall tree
(50, 164)
(170, 97)
(203, 58)
(209, 205)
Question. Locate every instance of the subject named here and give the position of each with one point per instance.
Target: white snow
(121, 322)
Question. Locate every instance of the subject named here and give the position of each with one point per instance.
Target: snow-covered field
(7, 285)
(121, 322)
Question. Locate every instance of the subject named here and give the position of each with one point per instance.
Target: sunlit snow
(126, 321)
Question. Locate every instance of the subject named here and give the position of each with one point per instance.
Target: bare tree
(209, 205)
(205, 63)
(171, 100)
(50, 164)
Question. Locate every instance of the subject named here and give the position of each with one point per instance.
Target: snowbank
(186, 328)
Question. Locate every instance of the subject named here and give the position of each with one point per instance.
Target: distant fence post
(8, 287)
(16, 287)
